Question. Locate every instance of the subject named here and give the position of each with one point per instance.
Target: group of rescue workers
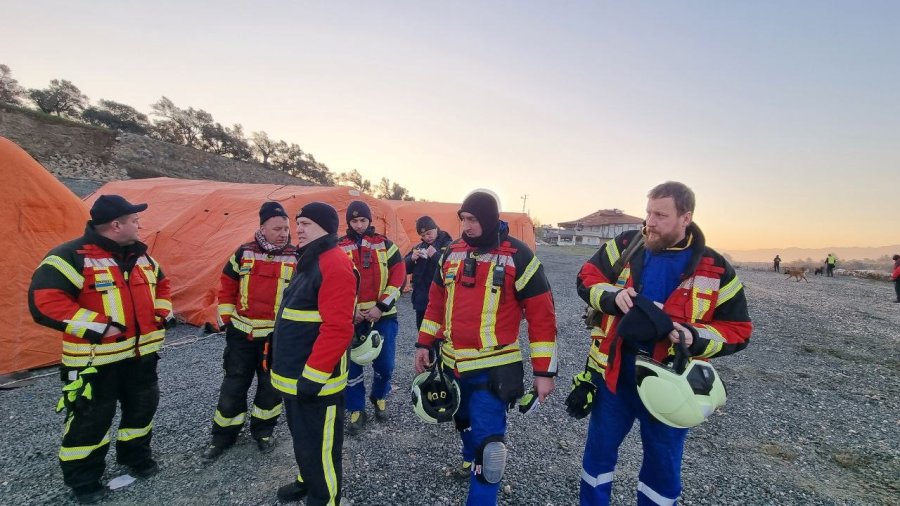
(306, 319)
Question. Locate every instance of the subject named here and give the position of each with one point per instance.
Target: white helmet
(366, 348)
(682, 395)
(435, 395)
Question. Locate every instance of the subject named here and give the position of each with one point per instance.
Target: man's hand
(358, 317)
(373, 314)
(543, 386)
(688, 336)
(421, 362)
(624, 299)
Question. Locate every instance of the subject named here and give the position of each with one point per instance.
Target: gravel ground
(812, 418)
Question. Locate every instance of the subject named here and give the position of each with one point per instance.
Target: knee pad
(491, 460)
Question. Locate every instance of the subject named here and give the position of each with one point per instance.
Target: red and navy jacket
(709, 301)
(252, 284)
(381, 270)
(314, 325)
(87, 286)
(477, 309)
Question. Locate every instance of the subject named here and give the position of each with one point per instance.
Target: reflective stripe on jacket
(381, 269)
(91, 284)
(252, 284)
(710, 299)
(314, 325)
(478, 315)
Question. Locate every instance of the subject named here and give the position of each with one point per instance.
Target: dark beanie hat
(358, 209)
(270, 210)
(322, 214)
(483, 206)
(109, 207)
(424, 224)
(645, 322)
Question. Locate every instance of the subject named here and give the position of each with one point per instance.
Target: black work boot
(266, 444)
(214, 451)
(380, 409)
(356, 423)
(90, 494)
(145, 470)
(292, 492)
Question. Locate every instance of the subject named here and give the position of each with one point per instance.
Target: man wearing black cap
(423, 260)
(381, 274)
(671, 286)
(313, 330)
(252, 283)
(488, 280)
(111, 302)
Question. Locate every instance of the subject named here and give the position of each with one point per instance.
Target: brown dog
(796, 272)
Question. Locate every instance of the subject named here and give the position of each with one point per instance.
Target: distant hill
(817, 254)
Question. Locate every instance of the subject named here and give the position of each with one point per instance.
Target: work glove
(529, 402)
(78, 393)
(581, 398)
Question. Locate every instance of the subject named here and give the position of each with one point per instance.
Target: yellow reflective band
(83, 320)
(597, 290)
(393, 250)
(612, 251)
(162, 304)
(542, 350)
(472, 353)
(70, 453)
(315, 375)
(129, 434)
(532, 268)
(327, 449)
(484, 363)
(489, 307)
(266, 414)
(728, 291)
(223, 421)
(284, 384)
(299, 315)
(334, 385)
(65, 269)
(287, 272)
(234, 265)
(225, 309)
(429, 327)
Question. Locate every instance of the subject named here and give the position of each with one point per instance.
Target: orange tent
(37, 213)
(520, 225)
(192, 227)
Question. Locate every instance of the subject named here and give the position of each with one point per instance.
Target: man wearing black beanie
(247, 296)
(313, 330)
(423, 260)
(486, 283)
(382, 273)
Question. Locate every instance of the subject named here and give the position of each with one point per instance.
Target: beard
(656, 242)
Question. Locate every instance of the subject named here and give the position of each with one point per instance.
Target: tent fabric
(37, 214)
(520, 224)
(192, 228)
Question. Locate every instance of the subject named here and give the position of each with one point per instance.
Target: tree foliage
(117, 116)
(264, 146)
(224, 141)
(391, 191)
(61, 97)
(293, 160)
(179, 126)
(10, 91)
(355, 180)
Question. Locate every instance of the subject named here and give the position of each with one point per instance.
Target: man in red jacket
(110, 300)
(252, 283)
(381, 274)
(896, 276)
(313, 330)
(487, 281)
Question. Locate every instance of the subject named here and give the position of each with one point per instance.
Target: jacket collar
(315, 248)
(357, 237)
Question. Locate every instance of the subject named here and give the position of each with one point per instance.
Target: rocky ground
(812, 418)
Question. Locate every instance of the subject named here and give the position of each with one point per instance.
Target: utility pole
(524, 200)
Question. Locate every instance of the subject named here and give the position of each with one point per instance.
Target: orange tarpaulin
(444, 214)
(37, 213)
(193, 227)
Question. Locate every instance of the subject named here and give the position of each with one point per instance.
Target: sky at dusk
(784, 117)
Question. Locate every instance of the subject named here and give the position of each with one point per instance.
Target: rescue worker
(381, 274)
(313, 330)
(701, 293)
(486, 281)
(110, 300)
(777, 262)
(830, 262)
(895, 276)
(423, 260)
(252, 284)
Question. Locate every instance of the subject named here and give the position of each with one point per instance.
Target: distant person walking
(777, 262)
(896, 277)
(830, 262)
